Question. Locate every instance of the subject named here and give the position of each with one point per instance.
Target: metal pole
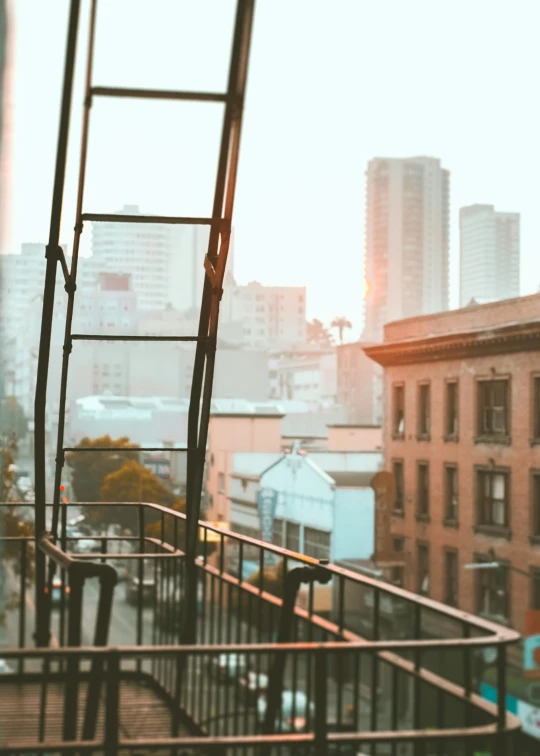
(198, 415)
(42, 616)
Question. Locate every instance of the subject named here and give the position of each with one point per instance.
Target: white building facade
(489, 243)
(142, 251)
(407, 240)
(271, 316)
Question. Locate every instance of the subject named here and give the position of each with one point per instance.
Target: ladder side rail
(198, 416)
(42, 600)
(71, 285)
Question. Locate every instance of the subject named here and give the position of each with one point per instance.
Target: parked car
(148, 583)
(254, 685)
(228, 666)
(56, 595)
(295, 710)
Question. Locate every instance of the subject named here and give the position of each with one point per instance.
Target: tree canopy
(341, 323)
(90, 468)
(318, 334)
(133, 482)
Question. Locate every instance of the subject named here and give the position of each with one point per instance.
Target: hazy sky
(332, 83)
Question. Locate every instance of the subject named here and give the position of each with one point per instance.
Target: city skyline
(278, 173)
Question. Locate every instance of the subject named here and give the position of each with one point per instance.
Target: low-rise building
(307, 375)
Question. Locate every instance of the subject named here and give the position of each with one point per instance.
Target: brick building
(462, 437)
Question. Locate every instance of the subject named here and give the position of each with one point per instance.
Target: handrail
(486, 626)
(79, 572)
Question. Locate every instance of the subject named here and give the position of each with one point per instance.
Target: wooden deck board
(143, 714)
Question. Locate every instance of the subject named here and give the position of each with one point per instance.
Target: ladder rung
(127, 449)
(158, 219)
(158, 94)
(98, 337)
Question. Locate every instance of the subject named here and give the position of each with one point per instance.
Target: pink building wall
(354, 438)
(228, 434)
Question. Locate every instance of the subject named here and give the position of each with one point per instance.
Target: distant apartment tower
(407, 238)
(272, 316)
(489, 254)
(23, 277)
(143, 251)
(189, 245)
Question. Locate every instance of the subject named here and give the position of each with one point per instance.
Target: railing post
(320, 703)
(112, 709)
(22, 604)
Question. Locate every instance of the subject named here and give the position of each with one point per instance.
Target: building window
(535, 587)
(494, 409)
(492, 590)
(450, 494)
(536, 408)
(492, 488)
(316, 543)
(278, 539)
(398, 411)
(451, 430)
(423, 410)
(399, 483)
(292, 536)
(451, 571)
(422, 569)
(422, 493)
(398, 544)
(221, 483)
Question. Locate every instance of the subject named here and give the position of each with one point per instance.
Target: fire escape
(218, 663)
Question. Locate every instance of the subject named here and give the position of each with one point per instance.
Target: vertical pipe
(42, 603)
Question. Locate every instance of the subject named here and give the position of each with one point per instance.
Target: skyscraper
(489, 254)
(407, 238)
(139, 250)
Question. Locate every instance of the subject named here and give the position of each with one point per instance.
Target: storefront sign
(266, 504)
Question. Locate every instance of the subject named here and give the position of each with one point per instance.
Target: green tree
(318, 334)
(90, 468)
(14, 527)
(12, 418)
(341, 323)
(133, 482)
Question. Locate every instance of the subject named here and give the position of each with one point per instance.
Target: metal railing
(345, 665)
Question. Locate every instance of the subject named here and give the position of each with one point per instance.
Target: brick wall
(519, 456)
(468, 318)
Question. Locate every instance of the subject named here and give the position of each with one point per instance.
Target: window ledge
(495, 531)
(421, 517)
(534, 540)
(534, 441)
(449, 522)
(423, 437)
(495, 439)
(451, 439)
(398, 436)
(398, 513)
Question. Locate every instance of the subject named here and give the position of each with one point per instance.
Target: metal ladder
(215, 261)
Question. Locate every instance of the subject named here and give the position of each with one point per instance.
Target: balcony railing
(291, 656)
